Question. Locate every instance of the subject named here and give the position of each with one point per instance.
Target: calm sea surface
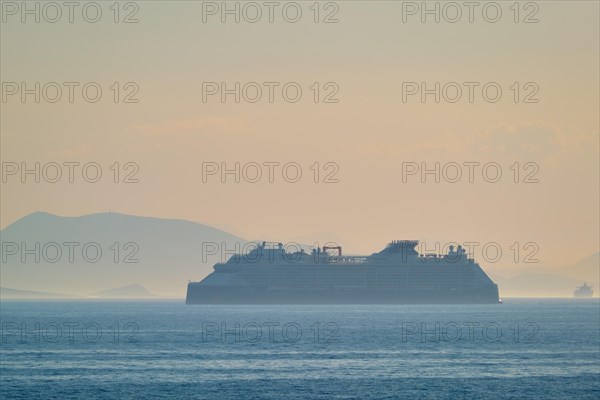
(164, 349)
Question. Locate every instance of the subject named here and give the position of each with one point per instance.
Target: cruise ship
(583, 291)
(398, 274)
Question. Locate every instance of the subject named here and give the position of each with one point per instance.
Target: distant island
(161, 255)
(130, 291)
(125, 292)
(8, 293)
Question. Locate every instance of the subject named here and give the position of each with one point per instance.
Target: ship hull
(202, 294)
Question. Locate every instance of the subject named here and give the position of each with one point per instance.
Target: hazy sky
(369, 133)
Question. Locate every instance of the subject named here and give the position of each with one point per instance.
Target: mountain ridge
(159, 254)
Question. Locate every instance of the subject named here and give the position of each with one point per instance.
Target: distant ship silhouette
(396, 275)
(583, 291)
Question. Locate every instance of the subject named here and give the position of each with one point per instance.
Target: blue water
(522, 349)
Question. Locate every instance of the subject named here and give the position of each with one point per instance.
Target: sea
(104, 349)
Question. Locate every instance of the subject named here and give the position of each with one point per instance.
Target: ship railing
(346, 260)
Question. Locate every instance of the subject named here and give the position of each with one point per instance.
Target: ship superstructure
(583, 291)
(397, 274)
